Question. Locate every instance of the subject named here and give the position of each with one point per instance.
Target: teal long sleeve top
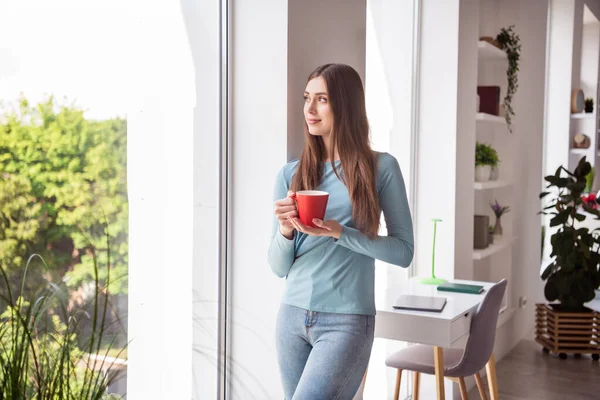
(338, 276)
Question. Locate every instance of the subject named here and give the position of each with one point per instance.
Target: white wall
(270, 49)
(437, 120)
(160, 185)
(320, 32)
(530, 19)
(558, 100)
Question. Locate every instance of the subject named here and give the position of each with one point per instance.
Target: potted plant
(486, 157)
(42, 356)
(499, 211)
(572, 276)
(589, 105)
(510, 43)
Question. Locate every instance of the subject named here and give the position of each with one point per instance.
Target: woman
(326, 321)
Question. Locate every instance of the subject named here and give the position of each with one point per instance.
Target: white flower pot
(482, 173)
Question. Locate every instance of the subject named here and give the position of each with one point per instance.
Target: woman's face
(317, 112)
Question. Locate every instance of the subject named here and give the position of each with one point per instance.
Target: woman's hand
(330, 228)
(284, 209)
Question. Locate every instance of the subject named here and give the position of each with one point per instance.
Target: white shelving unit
(583, 115)
(480, 254)
(495, 261)
(491, 185)
(483, 117)
(579, 151)
(489, 52)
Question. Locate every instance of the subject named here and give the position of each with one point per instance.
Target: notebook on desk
(460, 288)
(420, 303)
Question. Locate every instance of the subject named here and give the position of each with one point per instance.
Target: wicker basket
(565, 333)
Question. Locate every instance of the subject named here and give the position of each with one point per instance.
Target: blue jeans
(322, 355)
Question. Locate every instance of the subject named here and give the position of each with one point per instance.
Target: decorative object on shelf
(577, 101)
(581, 141)
(486, 157)
(589, 180)
(589, 105)
(489, 99)
(491, 235)
(510, 43)
(432, 280)
(573, 276)
(480, 231)
(499, 211)
(491, 41)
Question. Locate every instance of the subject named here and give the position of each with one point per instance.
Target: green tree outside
(63, 182)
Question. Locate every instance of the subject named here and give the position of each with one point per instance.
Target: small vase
(482, 173)
(498, 229)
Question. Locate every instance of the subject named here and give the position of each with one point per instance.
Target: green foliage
(58, 170)
(485, 155)
(589, 180)
(510, 43)
(573, 275)
(589, 102)
(39, 354)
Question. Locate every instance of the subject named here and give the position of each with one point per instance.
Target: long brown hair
(350, 137)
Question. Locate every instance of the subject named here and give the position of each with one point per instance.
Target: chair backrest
(480, 343)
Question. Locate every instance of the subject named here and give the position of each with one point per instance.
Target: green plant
(40, 357)
(485, 155)
(589, 102)
(57, 168)
(499, 210)
(573, 276)
(510, 43)
(589, 180)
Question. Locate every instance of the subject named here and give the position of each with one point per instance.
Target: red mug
(311, 204)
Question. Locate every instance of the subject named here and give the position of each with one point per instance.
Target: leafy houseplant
(510, 43)
(486, 157)
(589, 180)
(40, 357)
(573, 276)
(589, 105)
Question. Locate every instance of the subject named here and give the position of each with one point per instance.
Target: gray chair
(459, 363)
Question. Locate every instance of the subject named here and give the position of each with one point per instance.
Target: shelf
(490, 118)
(583, 116)
(579, 151)
(487, 51)
(480, 254)
(505, 316)
(490, 185)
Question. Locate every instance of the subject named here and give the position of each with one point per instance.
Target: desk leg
(438, 356)
(490, 368)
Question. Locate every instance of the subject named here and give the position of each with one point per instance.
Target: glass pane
(63, 198)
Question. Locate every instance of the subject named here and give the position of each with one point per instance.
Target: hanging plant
(510, 43)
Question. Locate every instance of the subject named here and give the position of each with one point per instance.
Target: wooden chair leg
(480, 386)
(398, 379)
(490, 368)
(463, 388)
(416, 385)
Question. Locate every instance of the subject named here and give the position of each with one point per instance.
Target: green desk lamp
(433, 280)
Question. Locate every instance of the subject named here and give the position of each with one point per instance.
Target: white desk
(441, 330)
